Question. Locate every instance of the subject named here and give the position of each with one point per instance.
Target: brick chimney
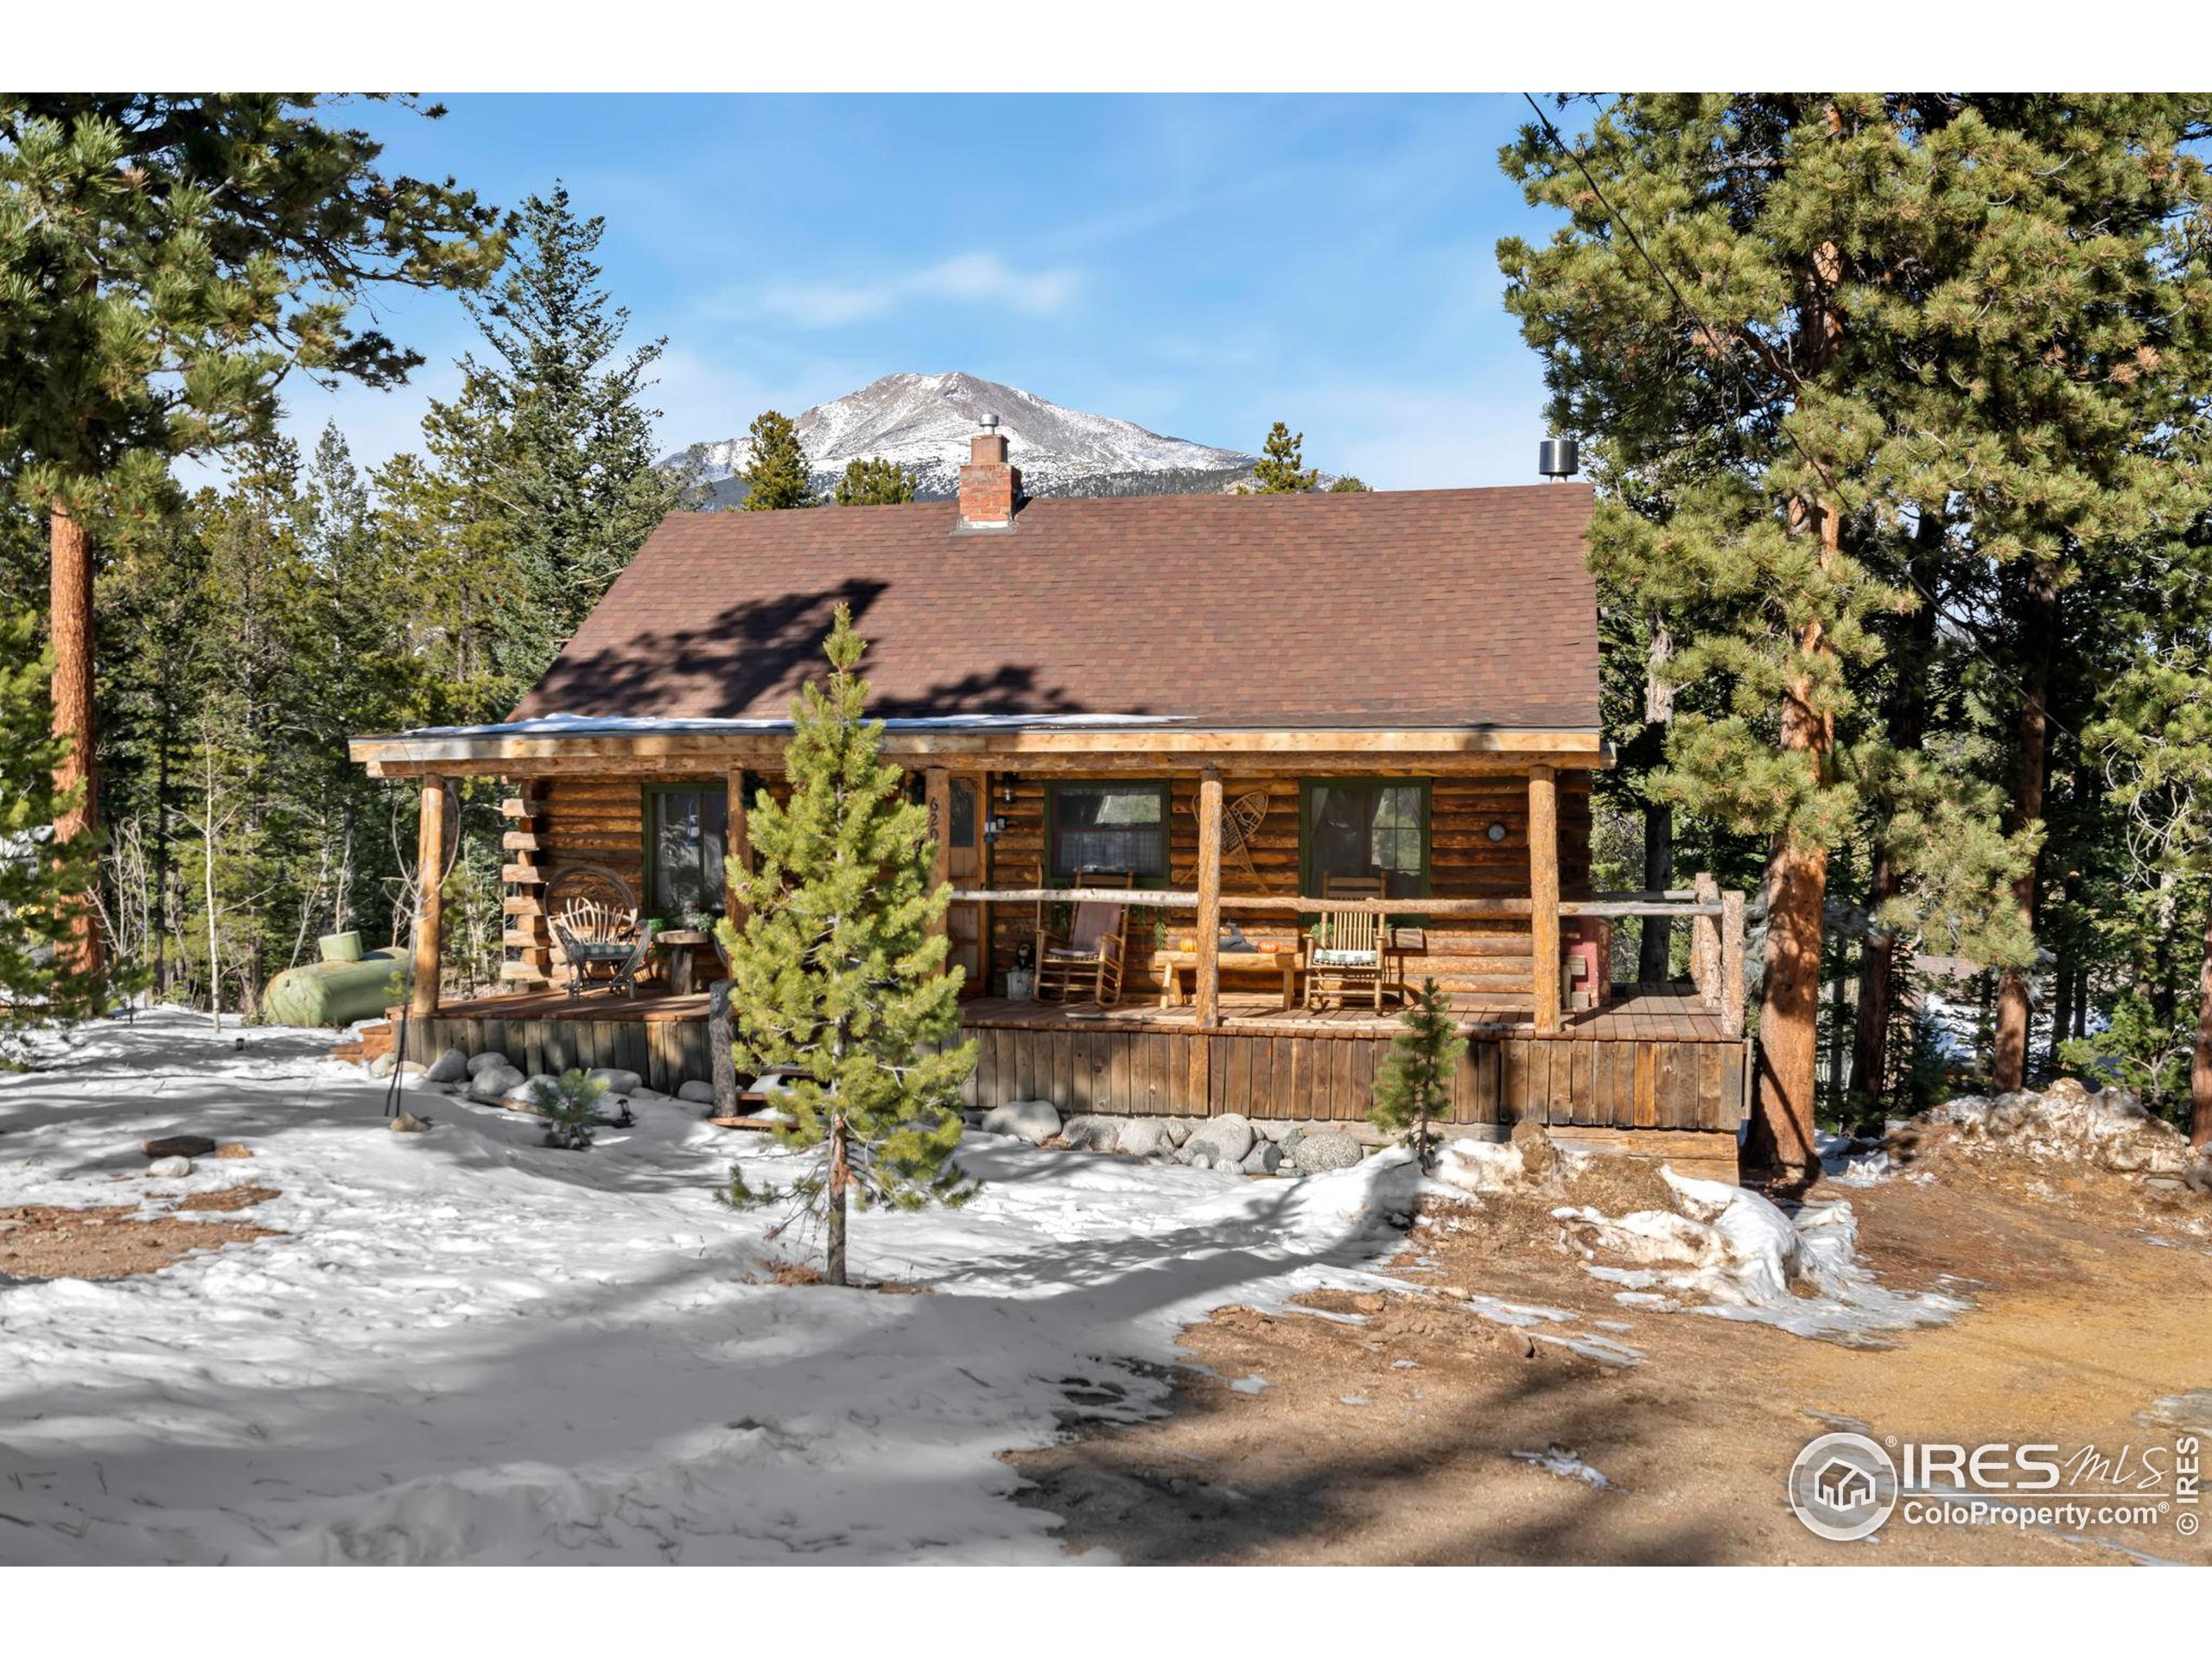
(990, 486)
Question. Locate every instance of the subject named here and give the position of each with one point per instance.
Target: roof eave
(1337, 749)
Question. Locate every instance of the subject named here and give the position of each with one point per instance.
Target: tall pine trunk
(2062, 1004)
(71, 626)
(1870, 1036)
(1781, 1127)
(1654, 955)
(161, 876)
(1781, 1136)
(839, 1178)
(2039, 620)
(1907, 718)
(2200, 1058)
(214, 936)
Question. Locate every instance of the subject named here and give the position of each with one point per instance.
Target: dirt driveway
(1393, 1440)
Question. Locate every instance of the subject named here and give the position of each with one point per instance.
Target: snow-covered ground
(471, 1347)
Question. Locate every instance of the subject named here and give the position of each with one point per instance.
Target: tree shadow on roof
(749, 660)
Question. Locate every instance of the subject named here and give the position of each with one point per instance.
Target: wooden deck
(1657, 1057)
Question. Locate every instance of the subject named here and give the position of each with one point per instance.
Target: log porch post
(937, 791)
(1543, 894)
(1208, 967)
(429, 906)
(738, 844)
(1704, 944)
(1732, 963)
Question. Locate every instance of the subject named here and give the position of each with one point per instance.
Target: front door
(967, 924)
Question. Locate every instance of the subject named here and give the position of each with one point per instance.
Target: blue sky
(1200, 265)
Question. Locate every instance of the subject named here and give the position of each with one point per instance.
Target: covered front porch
(1464, 855)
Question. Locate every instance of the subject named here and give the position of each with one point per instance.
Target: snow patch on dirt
(2063, 1124)
(1847, 1162)
(1728, 1252)
(1557, 1460)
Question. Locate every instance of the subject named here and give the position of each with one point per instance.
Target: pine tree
(40, 874)
(1413, 1086)
(362, 674)
(570, 465)
(1282, 468)
(874, 483)
(448, 542)
(1348, 484)
(154, 621)
(840, 970)
(777, 475)
(1769, 308)
(165, 261)
(2153, 745)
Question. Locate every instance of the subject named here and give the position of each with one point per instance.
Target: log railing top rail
(1604, 904)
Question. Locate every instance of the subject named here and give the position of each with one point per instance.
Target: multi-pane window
(1108, 827)
(688, 831)
(1368, 830)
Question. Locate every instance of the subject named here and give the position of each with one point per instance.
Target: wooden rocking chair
(595, 921)
(1090, 955)
(1347, 950)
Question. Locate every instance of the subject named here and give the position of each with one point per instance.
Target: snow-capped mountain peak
(924, 421)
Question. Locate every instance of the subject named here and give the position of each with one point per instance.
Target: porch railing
(1716, 920)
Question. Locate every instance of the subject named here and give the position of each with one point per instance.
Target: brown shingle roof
(1407, 608)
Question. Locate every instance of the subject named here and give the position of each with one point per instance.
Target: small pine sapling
(839, 974)
(1414, 1086)
(571, 1108)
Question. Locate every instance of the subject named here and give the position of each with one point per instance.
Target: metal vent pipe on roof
(1558, 458)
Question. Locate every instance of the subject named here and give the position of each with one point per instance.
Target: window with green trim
(1365, 828)
(687, 833)
(1102, 826)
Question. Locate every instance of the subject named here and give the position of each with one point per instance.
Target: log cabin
(1259, 712)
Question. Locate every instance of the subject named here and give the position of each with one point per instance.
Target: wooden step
(522, 904)
(522, 875)
(521, 841)
(521, 806)
(523, 972)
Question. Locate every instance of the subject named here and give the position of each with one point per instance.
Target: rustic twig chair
(1347, 950)
(596, 920)
(1091, 953)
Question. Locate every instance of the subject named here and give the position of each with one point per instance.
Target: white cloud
(966, 278)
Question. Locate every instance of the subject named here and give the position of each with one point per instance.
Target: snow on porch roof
(647, 726)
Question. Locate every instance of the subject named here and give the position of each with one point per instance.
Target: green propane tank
(337, 992)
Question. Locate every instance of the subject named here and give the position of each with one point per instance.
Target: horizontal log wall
(1484, 960)
(1597, 1083)
(602, 821)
